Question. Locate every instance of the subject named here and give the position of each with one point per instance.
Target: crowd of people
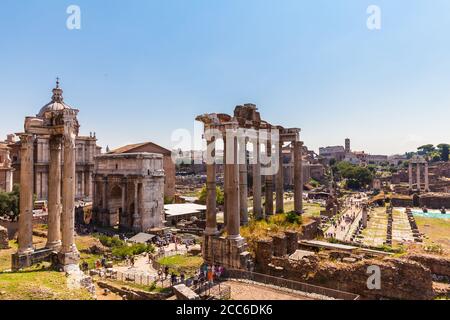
(207, 274)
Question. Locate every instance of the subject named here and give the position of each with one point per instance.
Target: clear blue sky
(138, 70)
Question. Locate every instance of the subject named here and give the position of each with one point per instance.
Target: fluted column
(298, 178)
(257, 209)
(280, 182)
(243, 184)
(211, 205)
(269, 182)
(25, 237)
(136, 217)
(54, 194)
(69, 250)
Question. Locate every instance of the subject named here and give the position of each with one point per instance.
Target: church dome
(57, 103)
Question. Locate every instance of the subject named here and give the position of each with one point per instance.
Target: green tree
(356, 176)
(444, 151)
(426, 149)
(9, 203)
(220, 199)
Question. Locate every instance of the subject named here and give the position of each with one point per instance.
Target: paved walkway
(349, 220)
(143, 266)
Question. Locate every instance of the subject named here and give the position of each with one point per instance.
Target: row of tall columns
(235, 185)
(60, 224)
(418, 177)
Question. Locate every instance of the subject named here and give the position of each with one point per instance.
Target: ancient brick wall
(438, 265)
(400, 278)
(406, 278)
(309, 230)
(435, 201)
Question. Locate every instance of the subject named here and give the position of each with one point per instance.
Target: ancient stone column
(427, 178)
(225, 191)
(69, 253)
(89, 185)
(54, 194)
(105, 194)
(9, 181)
(211, 205)
(280, 182)
(136, 218)
(232, 186)
(410, 176)
(124, 197)
(257, 209)
(298, 179)
(25, 236)
(418, 176)
(269, 183)
(83, 182)
(243, 191)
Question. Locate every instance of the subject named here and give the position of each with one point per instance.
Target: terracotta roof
(131, 147)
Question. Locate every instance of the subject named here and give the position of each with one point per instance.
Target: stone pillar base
(55, 245)
(211, 231)
(21, 260)
(229, 253)
(69, 258)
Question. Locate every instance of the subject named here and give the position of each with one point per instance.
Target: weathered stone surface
(184, 293)
(400, 278)
(309, 230)
(437, 264)
(279, 245)
(3, 238)
(291, 241)
(129, 191)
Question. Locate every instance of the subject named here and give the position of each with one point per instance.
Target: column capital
(26, 138)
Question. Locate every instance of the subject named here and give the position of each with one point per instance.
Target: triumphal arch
(58, 122)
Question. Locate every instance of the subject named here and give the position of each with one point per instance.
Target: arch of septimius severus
(58, 122)
(231, 250)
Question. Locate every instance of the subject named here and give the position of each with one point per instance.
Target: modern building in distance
(86, 150)
(168, 164)
(341, 153)
(334, 152)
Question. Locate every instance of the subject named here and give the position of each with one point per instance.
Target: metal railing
(289, 284)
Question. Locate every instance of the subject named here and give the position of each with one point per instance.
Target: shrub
(110, 242)
(434, 248)
(121, 252)
(220, 198)
(292, 217)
